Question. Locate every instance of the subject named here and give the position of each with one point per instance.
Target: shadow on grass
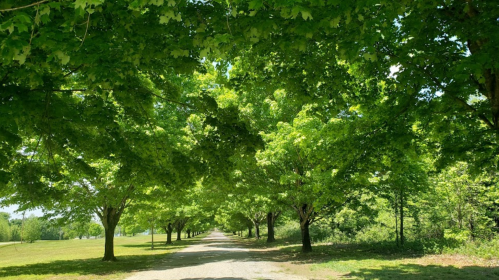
(417, 272)
(94, 266)
(290, 250)
(158, 245)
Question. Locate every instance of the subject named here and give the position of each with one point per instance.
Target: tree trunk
(189, 233)
(249, 232)
(402, 217)
(471, 222)
(169, 231)
(152, 236)
(305, 212)
(396, 222)
(179, 235)
(257, 230)
(109, 218)
(305, 237)
(109, 244)
(271, 218)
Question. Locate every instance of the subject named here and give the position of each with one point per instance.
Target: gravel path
(6, 243)
(215, 257)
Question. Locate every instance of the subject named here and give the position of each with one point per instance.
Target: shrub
(95, 230)
(4, 230)
(32, 229)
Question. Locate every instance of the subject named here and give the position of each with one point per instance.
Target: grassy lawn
(81, 259)
(358, 262)
(348, 261)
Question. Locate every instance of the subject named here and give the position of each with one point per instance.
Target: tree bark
(152, 236)
(305, 237)
(250, 234)
(110, 216)
(257, 230)
(271, 218)
(179, 225)
(402, 218)
(109, 244)
(305, 213)
(188, 233)
(396, 208)
(169, 230)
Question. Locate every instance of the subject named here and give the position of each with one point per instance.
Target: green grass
(81, 259)
(378, 261)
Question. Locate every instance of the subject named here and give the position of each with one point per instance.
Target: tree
(50, 230)
(15, 229)
(95, 230)
(5, 230)
(290, 152)
(81, 228)
(32, 229)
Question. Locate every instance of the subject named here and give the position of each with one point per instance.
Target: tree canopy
(188, 111)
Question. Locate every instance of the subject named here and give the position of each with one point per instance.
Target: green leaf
(80, 4)
(164, 19)
(370, 57)
(306, 15)
(295, 11)
(335, 22)
(21, 57)
(22, 28)
(204, 52)
(63, 57)
(255, 4)
(179, 52)
(45, 10)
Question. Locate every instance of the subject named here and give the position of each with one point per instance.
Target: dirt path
(8, 243)
(215, 257)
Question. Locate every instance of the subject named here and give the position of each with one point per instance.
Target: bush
(4, 230)
(15, 233)
(375, 233)
(487, 249)
(95, 230)
(32, 229)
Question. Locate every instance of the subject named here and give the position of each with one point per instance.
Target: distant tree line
(35, 228)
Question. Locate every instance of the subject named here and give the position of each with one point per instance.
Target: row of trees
(455, 208)
(115, 105)
(34, 228)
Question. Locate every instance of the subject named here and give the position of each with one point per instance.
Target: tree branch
(86, 31)
(72, 71)
(23, 7)
(467, 106)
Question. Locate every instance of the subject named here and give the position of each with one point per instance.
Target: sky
(14, 215)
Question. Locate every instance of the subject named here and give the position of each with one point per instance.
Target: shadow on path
(220, 250)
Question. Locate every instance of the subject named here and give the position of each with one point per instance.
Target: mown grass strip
(81, 259)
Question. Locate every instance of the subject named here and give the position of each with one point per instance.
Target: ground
(231, 257)
(221, 257)
(216, 257)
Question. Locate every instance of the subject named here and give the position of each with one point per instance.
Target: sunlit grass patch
(81, 259)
